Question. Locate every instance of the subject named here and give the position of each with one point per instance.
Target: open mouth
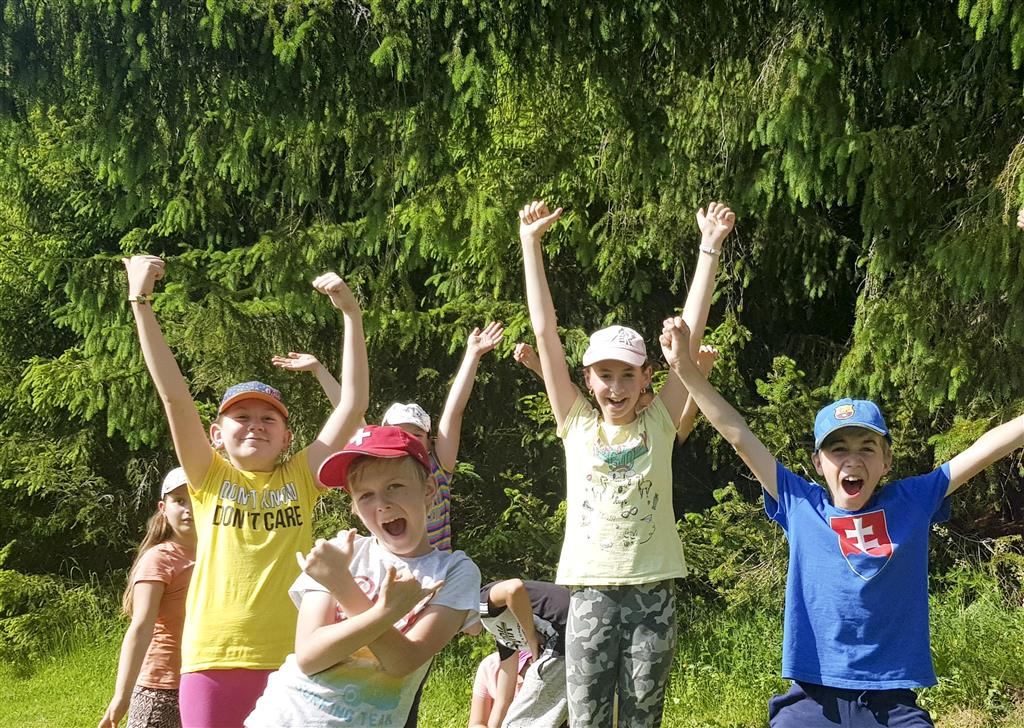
(395, 527)
(852, 486)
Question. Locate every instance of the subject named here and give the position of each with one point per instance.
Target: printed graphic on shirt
(864, 542)
(371, 589)
(618, 496)
(257, 510)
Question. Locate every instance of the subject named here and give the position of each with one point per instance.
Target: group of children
(343, 633)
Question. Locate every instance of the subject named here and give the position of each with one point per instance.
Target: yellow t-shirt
(249, 526)
(619, 526)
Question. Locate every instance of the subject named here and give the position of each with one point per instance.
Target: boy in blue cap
(856, 551)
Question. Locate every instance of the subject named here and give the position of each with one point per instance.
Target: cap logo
(844, 412)
(360, 435)
(624, 336)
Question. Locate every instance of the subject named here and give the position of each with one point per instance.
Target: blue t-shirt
(857, 587)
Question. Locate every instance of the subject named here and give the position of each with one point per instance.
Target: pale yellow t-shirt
(249, 525)
(619, 526)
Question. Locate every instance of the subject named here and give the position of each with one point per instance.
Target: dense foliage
(873, 154)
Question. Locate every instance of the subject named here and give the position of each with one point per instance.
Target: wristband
(140, 298)
(709, 250)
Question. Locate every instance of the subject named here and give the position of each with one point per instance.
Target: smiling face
(391, 497)
(853, 460)
(177, 509)
(617, 387)
(253, 433)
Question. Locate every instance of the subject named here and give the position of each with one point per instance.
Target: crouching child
(373, 611)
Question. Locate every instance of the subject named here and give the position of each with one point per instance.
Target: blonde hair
(158, 530)
(367, 465)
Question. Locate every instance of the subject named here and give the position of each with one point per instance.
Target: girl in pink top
(148, 671)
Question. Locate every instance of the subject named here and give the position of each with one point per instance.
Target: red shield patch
(864, 541)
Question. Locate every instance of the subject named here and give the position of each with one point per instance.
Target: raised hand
(327, 559)
(535, 219)
(143, 273)
(481, 342)
(706, 358)
(675, 340)
(331, 285)
(715, 224)
(401, 591)
(296, 362)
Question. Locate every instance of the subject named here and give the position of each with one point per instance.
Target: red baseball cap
(376, 442)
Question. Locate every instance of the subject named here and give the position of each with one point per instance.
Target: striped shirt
(439, 525)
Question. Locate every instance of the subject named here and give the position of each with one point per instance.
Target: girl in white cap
(621, 551)
(148, 671)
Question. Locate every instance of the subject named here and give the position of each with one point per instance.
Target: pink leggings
(219, 698)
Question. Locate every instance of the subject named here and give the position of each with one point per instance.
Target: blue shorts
(807, 705)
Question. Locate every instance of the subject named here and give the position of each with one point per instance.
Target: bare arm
(714, 226)
(349, 414)
(534, 220)
(508, 676)
(720, 413)
(706, 358)
(479, 711)
(994, 445)
(146, 596)
(512, 594)
(190, 441)
(449, 428)
(525, 355)
(302, 362)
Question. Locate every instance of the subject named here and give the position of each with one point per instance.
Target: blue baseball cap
(848, 413)
(253, 390)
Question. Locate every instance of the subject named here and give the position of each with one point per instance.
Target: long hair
(158, 530)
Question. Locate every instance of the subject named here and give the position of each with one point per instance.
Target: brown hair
(158, 530)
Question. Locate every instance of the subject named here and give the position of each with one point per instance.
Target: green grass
(725, 670)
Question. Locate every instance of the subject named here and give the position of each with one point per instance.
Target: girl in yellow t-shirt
(621, 550)
(252, 510)
(147, 673)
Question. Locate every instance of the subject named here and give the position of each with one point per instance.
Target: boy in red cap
(251, 508)
(373, 611)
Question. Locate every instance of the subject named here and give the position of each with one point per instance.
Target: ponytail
(158, 530)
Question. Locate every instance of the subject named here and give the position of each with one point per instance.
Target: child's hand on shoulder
(296, 362)
(329, 559)
(715, 224)
(401, 591)
(331, 285)
(535, 219)
(675, 341)
(481, 342)
(143, 273)
(706, 358)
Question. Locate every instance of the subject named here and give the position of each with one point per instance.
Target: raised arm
(525, 355)
(706, 358)
(534, 220)
(724, 418)
(449, 429)
(190, 441)
(994, 445)
(348, 415)
(715, 225)
(146, 596)
(302, 362)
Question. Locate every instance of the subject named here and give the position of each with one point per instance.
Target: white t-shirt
(357, 691)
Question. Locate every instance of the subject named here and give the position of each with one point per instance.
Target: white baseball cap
(619, 343)
(174, 479)
(407, 414)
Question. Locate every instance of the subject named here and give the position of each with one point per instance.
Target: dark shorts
(807, 705)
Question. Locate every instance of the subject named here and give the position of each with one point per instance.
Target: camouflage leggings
(619, 638)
